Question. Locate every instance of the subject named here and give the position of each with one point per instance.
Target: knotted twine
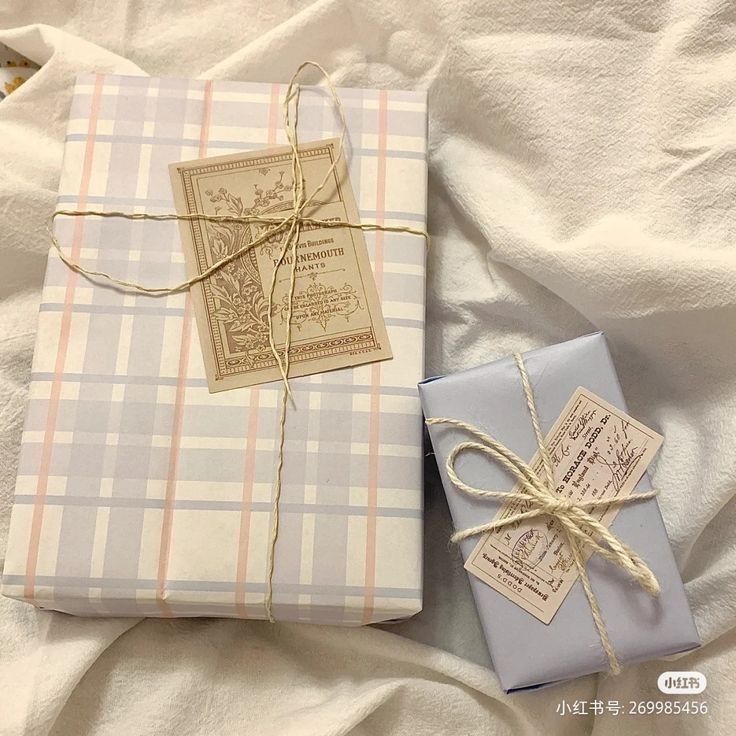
(288, 229)
(539, 495)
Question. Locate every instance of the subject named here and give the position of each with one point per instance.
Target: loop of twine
(288, 228)
(539, 495)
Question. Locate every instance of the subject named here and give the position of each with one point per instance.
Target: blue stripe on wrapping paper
(168, 204)
(114, 309)
(122, 201)
(229, 145)
(295, 384)
(216, 586)
(121, 380)
(211, 505)
(176, 312)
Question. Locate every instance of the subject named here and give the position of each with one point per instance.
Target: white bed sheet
(582, 160)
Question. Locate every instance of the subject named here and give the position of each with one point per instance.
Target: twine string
(539, 495)
(288, 229)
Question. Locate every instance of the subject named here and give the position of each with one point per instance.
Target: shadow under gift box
(526, 653)
(140, 493)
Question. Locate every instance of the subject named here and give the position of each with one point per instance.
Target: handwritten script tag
(597, 452)
(336, 312)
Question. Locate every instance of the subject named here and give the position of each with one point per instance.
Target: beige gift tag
(336, 321)
(597, 452)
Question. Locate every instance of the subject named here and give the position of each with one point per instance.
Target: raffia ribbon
(538, 493)
(288, 229)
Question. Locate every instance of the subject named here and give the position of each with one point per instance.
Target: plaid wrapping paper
(140, 493)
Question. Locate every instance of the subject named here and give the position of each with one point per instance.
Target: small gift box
(141, 493)
(527, 652)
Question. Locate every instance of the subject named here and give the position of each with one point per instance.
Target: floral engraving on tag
(241, 306)
(335, 311)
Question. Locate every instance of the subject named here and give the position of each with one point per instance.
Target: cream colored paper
(337, 320)
(597, 452)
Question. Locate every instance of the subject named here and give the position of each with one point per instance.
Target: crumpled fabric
(582, 160)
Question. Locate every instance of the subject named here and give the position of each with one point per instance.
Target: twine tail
(276, 513)
(595, 610)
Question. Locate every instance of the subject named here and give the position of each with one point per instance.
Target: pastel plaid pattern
(140, 493)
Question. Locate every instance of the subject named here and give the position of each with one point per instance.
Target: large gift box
(527, 652)
(141, 493)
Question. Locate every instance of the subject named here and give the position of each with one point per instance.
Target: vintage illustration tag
(337, 320)
(597, 452)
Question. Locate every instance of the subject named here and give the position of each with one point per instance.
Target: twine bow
(287, 229)
(539, 495)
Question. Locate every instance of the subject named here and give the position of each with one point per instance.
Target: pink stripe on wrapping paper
(375, 400)
(178, 420)
(66, 320)
(244, 531)
(252, 437)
